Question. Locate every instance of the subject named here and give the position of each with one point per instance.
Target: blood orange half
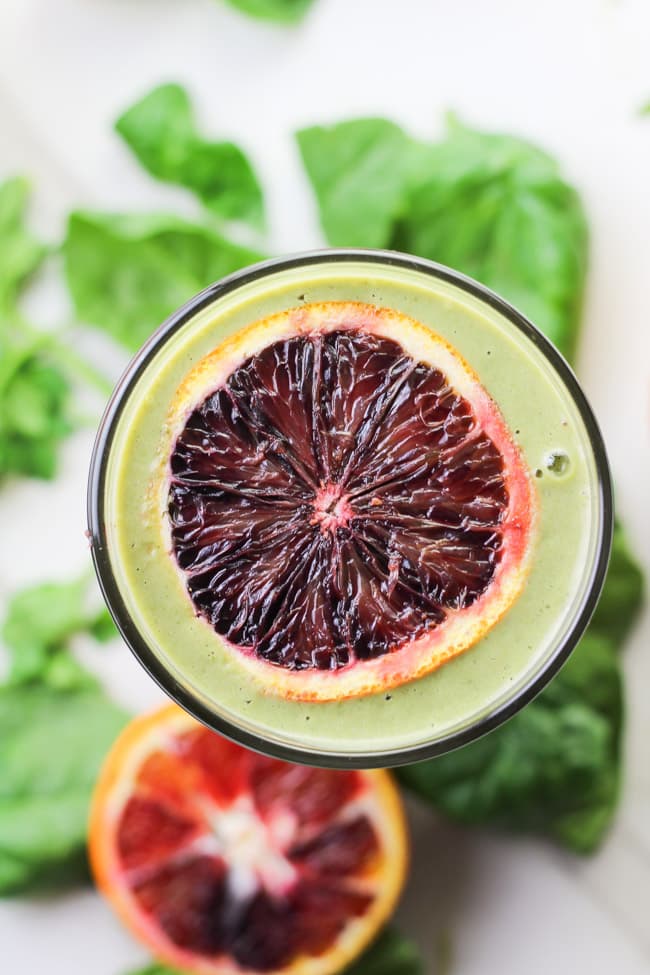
(346, 505)
(224, 861)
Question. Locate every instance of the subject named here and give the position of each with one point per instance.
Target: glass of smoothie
(350, 508)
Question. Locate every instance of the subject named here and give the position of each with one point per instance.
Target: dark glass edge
(139, 647)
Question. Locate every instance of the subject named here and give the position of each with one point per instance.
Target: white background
(571, 74)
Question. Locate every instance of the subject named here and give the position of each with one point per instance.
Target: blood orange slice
(347, 507)
(224, 861)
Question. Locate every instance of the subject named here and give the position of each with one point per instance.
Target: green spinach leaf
(281, 11)
(622, 595)
(20, 252)
(359, 171)
(38, 627)
(34, 392)
(126, 274)
(35, 367)
(492, 206)
(498, 209)
(35, 404)
(161, 131)
(52, 743)
(390, 954)
(552, 769)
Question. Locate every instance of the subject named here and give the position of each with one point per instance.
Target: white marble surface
(571, 75)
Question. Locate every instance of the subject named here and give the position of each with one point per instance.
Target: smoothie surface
(546, 424)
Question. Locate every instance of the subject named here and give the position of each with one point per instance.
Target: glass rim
(182, 695)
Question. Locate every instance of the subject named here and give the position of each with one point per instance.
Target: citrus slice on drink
(224, 861)
(345, 504)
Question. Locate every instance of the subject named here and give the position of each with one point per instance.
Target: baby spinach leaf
(126, 274)
(161, 131)
(39, 625)
(35, 368)
(56, 724)
(552, 769)
(390, 954)
(359, 171)
(622, 596)
(101, 626)
(34, 404)
(20, 252)
(52, 743)
(492, 206)
(281, 11)
(498, 209)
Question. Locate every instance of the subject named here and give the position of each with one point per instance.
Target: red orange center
(335, 500)
(331, 508)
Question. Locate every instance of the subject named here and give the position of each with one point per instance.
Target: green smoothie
(546, 423)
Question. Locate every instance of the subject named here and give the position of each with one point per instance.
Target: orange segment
(224, 861)
(345, 504)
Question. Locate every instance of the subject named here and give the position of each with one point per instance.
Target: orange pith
(223, 861)
(381, 563)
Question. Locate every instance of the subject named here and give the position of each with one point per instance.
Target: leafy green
(552, 769)
(56, 724)
(101, 626)
(34, 391)
(359, 171)
(623, 594)
(52, 743)
(390, 954)
(161, 131)
(281, 11)
(492, 206)
(38, 627)
(20, 252)
(498, 209)
(555, 767)
(126, 274)
(34, 405)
